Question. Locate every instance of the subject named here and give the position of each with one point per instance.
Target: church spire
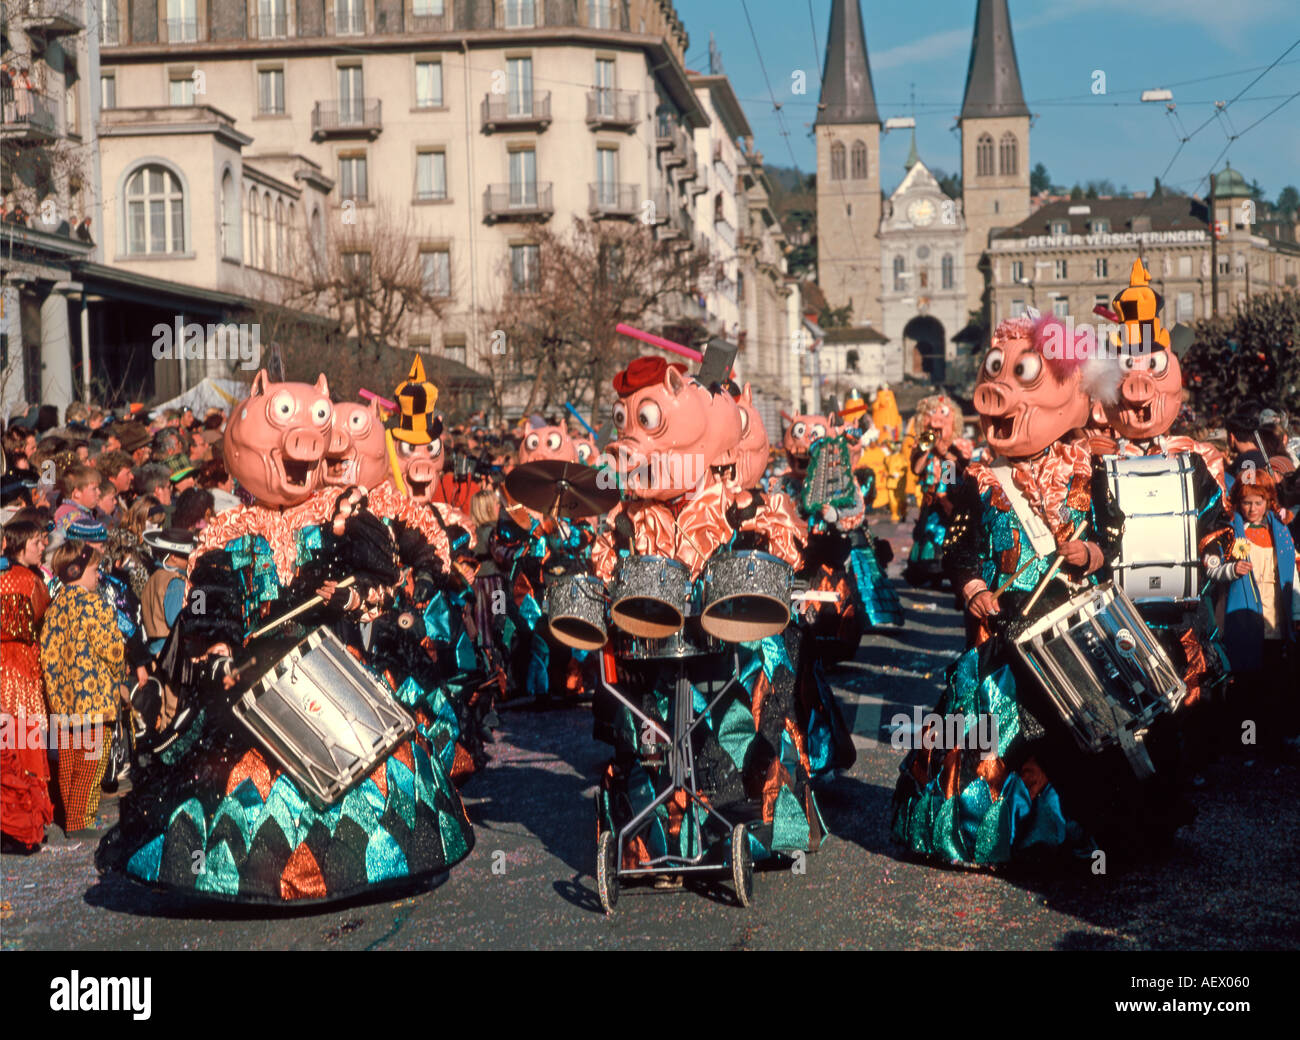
(912, 157)
(993, 76)
(847, 93)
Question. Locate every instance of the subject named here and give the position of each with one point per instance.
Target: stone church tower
(994, 140)
(848, 171)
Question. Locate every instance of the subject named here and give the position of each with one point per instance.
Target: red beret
(643, 372)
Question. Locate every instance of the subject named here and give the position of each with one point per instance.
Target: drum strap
(1040, 535)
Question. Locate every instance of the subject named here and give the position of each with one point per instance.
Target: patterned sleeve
(604, 550)
(961, 549)
(783, 531)
(102, 634)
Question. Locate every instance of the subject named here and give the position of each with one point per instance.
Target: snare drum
(746, 596)
(1104, 671)
(650, 596)
(575, 606)
(324, 718)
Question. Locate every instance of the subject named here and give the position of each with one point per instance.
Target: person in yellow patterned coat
(83, 660)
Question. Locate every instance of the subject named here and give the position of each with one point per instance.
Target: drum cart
(681, 766)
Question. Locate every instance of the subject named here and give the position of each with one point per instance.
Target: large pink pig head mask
(547, 443)
(356, 454)
(1150, 380)
(799, 437)
(276, 440)
(671, 430)
(753, 450)
(416, 440)
(1028, 395)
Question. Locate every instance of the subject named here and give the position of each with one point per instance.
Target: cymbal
(567, 489)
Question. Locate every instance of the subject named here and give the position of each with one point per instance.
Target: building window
(605, 82)
(525, 262)
(851, 360)
(272, 19)
(1184, 267)
(352, 177)
(108, 90)
(1101, 226)
(254, 222)
(1007, 159)
(182, 21)
(1062, 270)
(1017, 271)
(268, 243)
(428, 84)
(523, 178)
(281, 238)
(1017, 308)
(356, 265)
(181, 89)
(1184, 308)
(71, 117)
(898, 273)
(435, 270)
(352, 96)
(230, 244)
(270, 92)
(1060, 307)
(837, 161)
(1060, 227)
(431, 176)
(317, 232)
(946, 273)
(1100, 300)
(607, 176)
(349, 17)
(1103, 267)
(155, 212)
(1223, 264)
(519, 86)
(520, 14)
(984, 156)
(859, 161)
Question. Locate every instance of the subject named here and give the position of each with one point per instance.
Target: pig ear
(374, 407)
(747, 394)
(259, 383)
(674, 381)
(322, 386)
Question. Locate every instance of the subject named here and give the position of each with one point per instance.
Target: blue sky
(1203, 50)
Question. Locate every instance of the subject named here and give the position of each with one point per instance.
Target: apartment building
(463, 124)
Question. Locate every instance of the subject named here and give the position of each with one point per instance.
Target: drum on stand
(325, 719)
(650, 596)
(1104, 671)
(687, 642)
(1158, 558)
(745, 595)
(576, 605)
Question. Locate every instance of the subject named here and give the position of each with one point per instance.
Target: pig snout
(303, 445)
(1138, 387)
(340, 442)
(992, 399)
(422, 470)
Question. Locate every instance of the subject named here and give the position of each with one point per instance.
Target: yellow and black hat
(417, 422)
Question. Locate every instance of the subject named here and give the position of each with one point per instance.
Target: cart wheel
(742, 865)
(607, 871)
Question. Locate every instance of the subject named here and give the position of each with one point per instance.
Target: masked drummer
(1043, 500)
(678, 461)
(938, 461)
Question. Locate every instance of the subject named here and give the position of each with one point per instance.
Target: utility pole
(1214, 255)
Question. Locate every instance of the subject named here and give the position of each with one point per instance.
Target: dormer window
(1060, 227)
(1101, 226)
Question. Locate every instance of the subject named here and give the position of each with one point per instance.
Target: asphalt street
(1228, 883)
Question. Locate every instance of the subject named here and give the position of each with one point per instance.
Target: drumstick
(302, 608)
(1007, 584)
(1055, 567)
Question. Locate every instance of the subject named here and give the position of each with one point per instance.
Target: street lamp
(1160, 94)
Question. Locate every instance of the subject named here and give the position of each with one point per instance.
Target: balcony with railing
(351, 117)
(678, 226)
(700, 183)
(609, 109)
(425, 19)
(271, 26)
(724, 229)
(672, 140)
(661, 209)
(524, 201)
(350, 20)
(50, 18)
(600, 14)
(690, 168)
(182, 30)
(517, 111)
(26, 115)
(519, 14)
(608, 199)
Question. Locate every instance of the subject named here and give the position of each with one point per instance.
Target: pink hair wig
(1063, 361)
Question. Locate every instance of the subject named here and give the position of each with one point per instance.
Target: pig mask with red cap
(671, 430)
(801, 434)
(276, 440)
(1028, 398)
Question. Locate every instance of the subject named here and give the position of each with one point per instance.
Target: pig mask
(671, 430)
(357, 453)
(1150, 395)
(938, 414)
(275, 441)
(800, 435)
(1027, 401)
(543, 443)
(421, 467)
(754, 449)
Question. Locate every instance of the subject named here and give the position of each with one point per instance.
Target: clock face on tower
(921, 212)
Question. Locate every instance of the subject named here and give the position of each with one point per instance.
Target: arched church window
(945, 271)
(984, 155)
(898, 274)
(837, 161)
(1007, 158)
(859, 161)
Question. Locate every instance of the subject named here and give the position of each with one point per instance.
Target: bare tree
(556, 319)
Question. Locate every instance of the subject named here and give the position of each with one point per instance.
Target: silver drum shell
(745, 596)
(576, 607)
(650, 596)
